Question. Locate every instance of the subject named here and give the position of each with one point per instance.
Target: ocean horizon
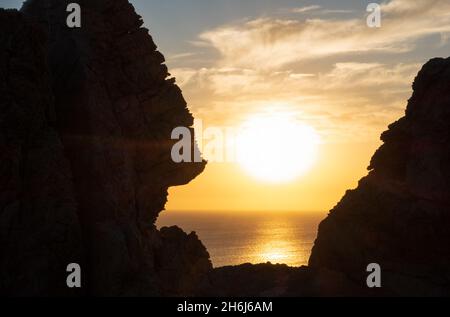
(234, 238)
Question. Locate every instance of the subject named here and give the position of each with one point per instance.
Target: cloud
(319, 9)
(350, 101)
(273, 42)
(399, 8)
(181, 56)
(306, 9)
(337, 11)
(314, 68)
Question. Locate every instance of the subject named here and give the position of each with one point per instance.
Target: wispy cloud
(351, 101)
(267, 61)
(306, 9)
(179, 56)
(336, 11)
(273, 42)
(316, 10)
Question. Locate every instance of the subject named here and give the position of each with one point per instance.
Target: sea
(234, 238)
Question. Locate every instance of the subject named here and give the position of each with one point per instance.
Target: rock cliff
(86, 155)
(85, 121)
(39, 227)
(399, 216)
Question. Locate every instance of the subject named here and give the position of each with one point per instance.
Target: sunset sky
(318, 61)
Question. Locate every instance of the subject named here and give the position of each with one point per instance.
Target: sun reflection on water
(274, 256)
(253, 238)
(279, 242)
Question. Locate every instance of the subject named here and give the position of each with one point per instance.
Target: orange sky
(227, 187)
(329, 71)
(317, 60)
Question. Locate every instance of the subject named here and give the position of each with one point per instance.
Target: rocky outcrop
(85, 123)
(182, 263)
(39, 227)
(86, 155)
(399, 216)
(279, 280)
(260, 280)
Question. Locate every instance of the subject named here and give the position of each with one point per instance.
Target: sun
(275, 148)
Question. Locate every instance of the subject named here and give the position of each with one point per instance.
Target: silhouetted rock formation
(261, 280)
(272, 280)
(86, 155)
(182, 263)
(85, 124)
(399, 216)
(39, 227)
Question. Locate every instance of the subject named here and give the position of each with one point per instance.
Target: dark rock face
(399, 216)
(39, 227)
(182, 263)
(85, 122)
(86, 155)
(261, 280)
(273, 280)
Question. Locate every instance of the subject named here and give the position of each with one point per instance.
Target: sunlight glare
(276, 148)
